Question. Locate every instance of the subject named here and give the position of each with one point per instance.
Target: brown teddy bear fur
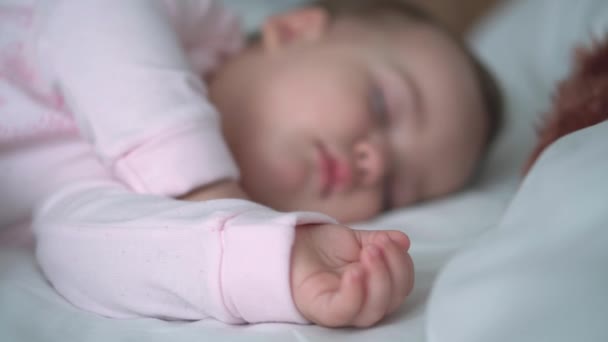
(580, 101)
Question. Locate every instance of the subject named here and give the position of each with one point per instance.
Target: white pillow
(253, 12)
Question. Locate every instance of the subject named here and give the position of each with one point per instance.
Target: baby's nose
(370, 162)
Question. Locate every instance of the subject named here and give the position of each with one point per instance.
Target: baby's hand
(219, 190)
(344, 277)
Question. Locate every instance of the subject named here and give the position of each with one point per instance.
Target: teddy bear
(580, 100)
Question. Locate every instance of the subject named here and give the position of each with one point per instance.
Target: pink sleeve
(123, 255)
(135, 97)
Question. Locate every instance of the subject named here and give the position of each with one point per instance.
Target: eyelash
(379, 106)
(380, 111)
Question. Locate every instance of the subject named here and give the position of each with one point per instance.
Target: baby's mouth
(334, 175)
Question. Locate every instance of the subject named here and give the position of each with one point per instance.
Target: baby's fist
(345, 277)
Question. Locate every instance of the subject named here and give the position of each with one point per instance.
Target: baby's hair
(379, 9)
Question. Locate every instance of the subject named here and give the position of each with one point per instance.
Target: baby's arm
(121, 254)
(135, 98)
(218, 190)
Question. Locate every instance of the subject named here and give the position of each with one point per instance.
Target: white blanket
(563, 200)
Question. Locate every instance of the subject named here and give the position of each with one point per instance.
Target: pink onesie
(103, 118)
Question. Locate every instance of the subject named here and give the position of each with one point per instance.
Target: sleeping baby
(173, 170)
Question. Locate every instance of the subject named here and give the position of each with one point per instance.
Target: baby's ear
(300, 25)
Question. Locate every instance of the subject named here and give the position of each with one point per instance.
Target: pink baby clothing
(103, 118)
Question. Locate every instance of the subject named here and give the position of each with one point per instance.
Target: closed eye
(380, 111)
(379, 107)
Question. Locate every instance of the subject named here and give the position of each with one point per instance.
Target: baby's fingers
(378, 294)
(366, 237)
(339, 308)
(401, 271)
(402, 240)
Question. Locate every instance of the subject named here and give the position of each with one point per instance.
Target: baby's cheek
(290, 175)
(278, 176)
(451, 174)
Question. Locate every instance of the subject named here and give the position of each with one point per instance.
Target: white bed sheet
(31, 311)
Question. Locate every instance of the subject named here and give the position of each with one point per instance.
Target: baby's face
(356, 123)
